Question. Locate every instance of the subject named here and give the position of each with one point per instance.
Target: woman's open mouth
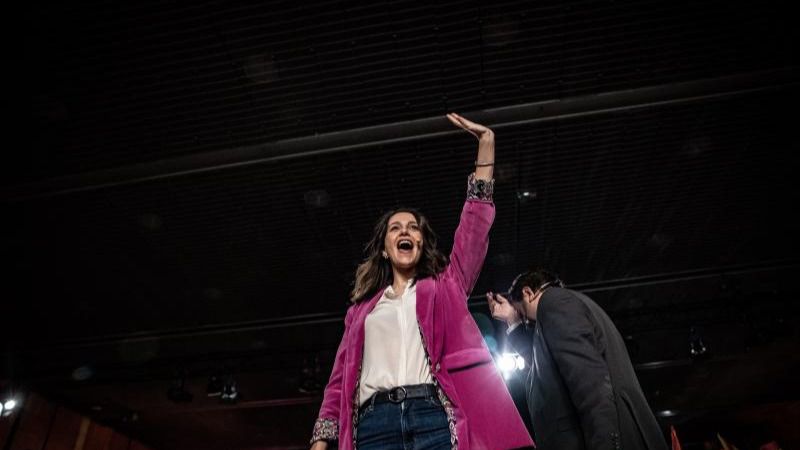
(405, 245)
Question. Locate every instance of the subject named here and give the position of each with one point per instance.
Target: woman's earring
(385, 256)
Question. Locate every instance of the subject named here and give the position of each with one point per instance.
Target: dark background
(196, 182)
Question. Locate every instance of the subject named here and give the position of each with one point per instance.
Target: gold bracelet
(480, 163)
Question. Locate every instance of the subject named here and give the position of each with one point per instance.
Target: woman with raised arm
(412, 370)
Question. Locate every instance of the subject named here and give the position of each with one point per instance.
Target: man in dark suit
(582, 390)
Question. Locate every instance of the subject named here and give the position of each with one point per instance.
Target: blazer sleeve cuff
(479, 189)
(325, 430)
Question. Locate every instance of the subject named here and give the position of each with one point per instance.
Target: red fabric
(676, 444)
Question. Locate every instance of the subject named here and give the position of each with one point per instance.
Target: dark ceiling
(199, 180)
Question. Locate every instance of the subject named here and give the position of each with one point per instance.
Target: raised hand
(476, 129)
(484, 163)
(502, 309)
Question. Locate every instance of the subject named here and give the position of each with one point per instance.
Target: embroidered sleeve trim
(325, 430)
(479, 189)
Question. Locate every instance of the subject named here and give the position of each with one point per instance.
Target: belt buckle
(398, 394)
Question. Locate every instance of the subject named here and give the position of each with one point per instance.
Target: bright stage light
(507, 362)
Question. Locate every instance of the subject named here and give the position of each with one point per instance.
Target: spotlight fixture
(525, 195)
(7, 406)
(509, 363)
(697, 348)
(214, 388)
(229, 392)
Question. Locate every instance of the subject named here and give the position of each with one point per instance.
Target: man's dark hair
(534, 279)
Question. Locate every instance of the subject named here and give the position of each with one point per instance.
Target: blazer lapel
(355, 350)
(425, 313)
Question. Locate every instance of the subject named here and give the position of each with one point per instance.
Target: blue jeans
(413, 424)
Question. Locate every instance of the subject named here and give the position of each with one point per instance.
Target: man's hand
(501, 309)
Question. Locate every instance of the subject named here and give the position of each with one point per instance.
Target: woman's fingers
(473, 128)
(468, 123)
(458, 121)
(452, 117)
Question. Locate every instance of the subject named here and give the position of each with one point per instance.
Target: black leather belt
(400, 393)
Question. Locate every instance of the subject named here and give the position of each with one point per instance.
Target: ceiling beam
(712, 89)
(476, 300)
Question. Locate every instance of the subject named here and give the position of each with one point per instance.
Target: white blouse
(393, 351)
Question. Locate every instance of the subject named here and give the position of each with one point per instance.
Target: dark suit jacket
(582, 390)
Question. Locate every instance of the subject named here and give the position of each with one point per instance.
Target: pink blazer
(484, 413)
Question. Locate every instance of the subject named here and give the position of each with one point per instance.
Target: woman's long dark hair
(375, 272)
